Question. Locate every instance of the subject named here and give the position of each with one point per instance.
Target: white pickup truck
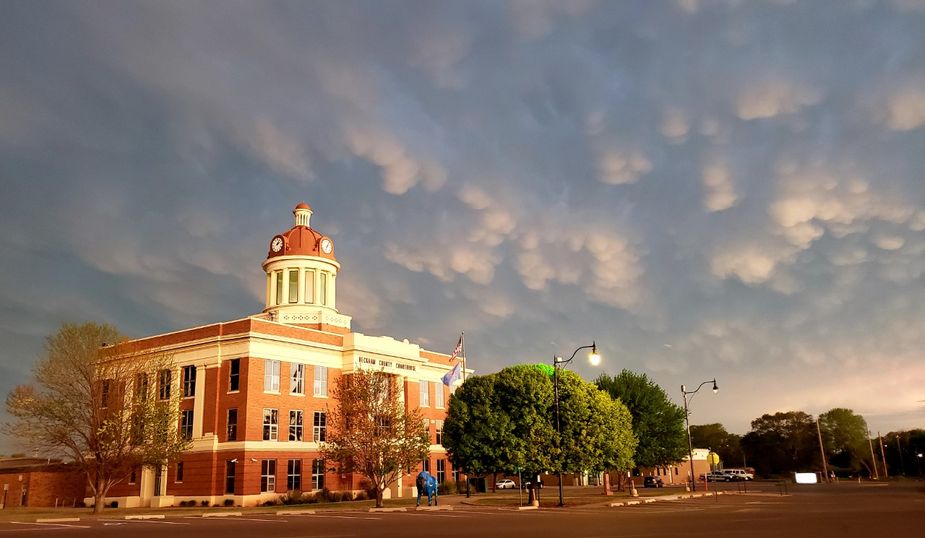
(738, 475)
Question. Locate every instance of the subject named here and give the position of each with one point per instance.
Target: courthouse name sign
(387, 365)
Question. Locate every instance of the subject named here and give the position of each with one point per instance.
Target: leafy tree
(845, 439)
(902, 449)
(657, 422)
(716, 438)
(96, 406)
(506, 421)
(372, 433)
(782, 443)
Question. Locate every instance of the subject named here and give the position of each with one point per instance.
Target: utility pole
(873, 459)
(886, 473)
(825, 467)
(902, 465)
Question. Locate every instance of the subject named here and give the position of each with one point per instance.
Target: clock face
(326, 246)
(277, 244)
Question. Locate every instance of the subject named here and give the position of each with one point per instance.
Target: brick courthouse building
(255, 391)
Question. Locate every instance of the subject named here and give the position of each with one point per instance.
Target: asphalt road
(844, 510)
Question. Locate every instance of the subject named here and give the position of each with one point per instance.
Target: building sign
(391, 366)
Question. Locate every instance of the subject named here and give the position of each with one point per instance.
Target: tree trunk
(98, 503)
(379, 497)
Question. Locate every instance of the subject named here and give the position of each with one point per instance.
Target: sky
(729, 189)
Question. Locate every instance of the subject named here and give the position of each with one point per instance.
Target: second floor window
(271, 375)
(270, 424)
(319, 426)
(438, 395)
(295, 425)
(425, 394)
(189, 381)
(439, 435)
(234, 375)
(163, 384)
(297, 378)
(186, 423)
(320, 387)
(232, 425)
(105, 387)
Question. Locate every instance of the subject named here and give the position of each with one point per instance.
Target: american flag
(458, 349)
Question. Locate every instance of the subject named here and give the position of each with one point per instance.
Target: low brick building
(40, 482)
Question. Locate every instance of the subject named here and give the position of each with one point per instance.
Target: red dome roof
(301, 240)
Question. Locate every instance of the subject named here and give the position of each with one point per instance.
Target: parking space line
(156, 522)
(46, 525)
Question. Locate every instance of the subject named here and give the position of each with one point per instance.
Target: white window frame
(319, 426)
(425, 393)
(293, 474)
(270, 424)
(317, 474)
(271, 369)
(438, 433)
(320, 381)
(296, 425)
(438, 395)
(268, 476)
(189, 381)
(296, 378)
(309, 286)
(441, 471)
(164, 381)
(186, 423)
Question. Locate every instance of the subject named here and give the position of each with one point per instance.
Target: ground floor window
(179, 475)
(441, 471)
(317, 474)
(455, 475)
(229, 476)
(268, 476)
(294, 475)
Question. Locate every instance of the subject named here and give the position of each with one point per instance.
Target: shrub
(447, 488)
(361, 495)
(204, 503)
(310, 498)
(229, 502)
(346, 496)
(114, 504)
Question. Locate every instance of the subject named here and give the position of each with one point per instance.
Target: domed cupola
(301, 277)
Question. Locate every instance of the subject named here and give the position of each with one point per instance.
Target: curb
(433, 508)
(146, 516)
(528, 507)
(57, 520)
(402, 509)
(222, 514)
(295, 512)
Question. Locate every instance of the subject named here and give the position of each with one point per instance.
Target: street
(840, 510)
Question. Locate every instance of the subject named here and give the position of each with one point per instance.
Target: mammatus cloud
(617, 167)
(400, 170)
(905, 107)
(774, 96)
(719, 190)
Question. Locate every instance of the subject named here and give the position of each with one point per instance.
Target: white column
(332, 297)
(199, 401)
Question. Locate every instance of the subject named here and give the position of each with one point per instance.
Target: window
(297, 378)
(279, 287)
(295, 426)
(320, 426)
(323, 288)
(267, 475)
(438, 395)
(232, 425)
(440, 434)
(189, 381)
(163, 384)
(317, 474)
(455, 474)
(309, 286)
(294, 286)
(294, 475)
(427, 465)
(179, 476)
(229, 476)
(234, 375)
(104, 393)
(425, 394)
(270, 424)
(141, 387)
(186, 423)
(441, 471)
(427, 427)
(134, 476)
(270, 375)
(320, 387)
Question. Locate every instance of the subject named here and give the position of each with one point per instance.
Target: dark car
(653, 482)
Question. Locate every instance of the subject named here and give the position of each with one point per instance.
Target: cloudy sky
(706, 188)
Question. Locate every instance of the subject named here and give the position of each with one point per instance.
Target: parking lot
(841, 510)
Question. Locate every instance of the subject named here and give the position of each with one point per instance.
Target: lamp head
(715, 388)
(594, 357)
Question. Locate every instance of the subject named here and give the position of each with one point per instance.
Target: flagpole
(463, 337)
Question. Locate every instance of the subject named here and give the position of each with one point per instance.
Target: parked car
(652, 482)
(739, 474)
(716, 476)
(505, 484)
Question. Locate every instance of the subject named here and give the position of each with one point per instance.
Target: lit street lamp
(687, 414)
(558, 362)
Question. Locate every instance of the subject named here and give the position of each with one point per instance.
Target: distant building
(255, 390)
(40, 482)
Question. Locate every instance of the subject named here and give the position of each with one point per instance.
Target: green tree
(844, 436)
(782, 443)
(657, 422)
(372, 432)
(506, 421)
(95, 405)
(716, 438)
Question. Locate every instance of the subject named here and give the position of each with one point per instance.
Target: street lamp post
(687, 413)
(558, 362)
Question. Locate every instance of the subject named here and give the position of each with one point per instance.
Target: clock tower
(302, 276)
